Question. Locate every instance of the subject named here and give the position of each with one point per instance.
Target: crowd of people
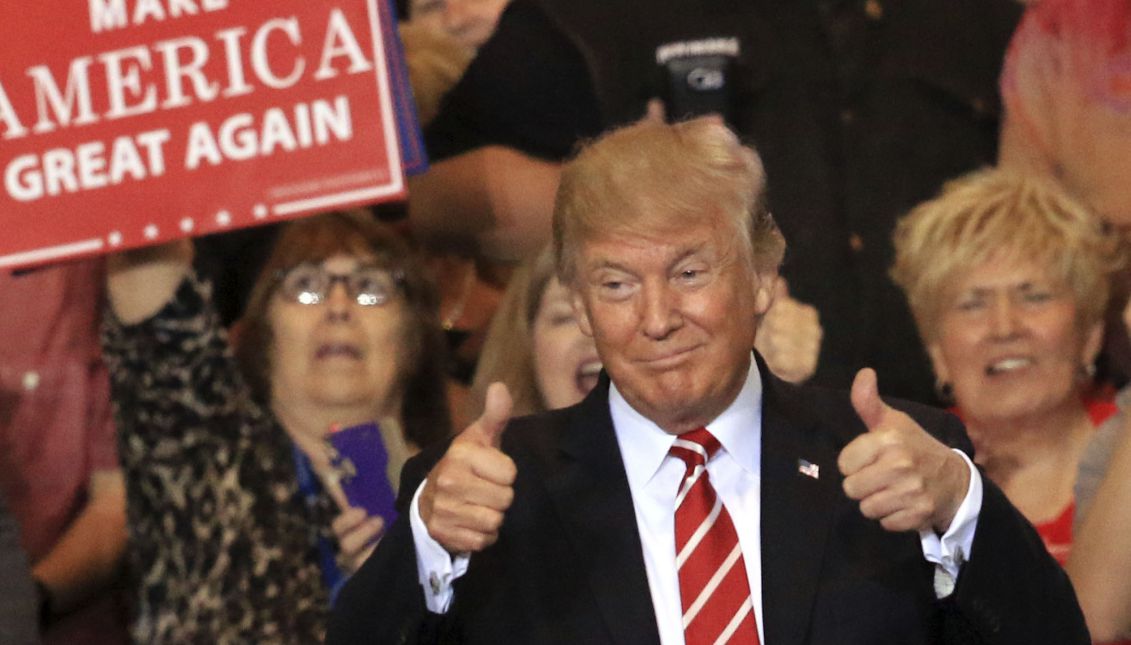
(694, 243)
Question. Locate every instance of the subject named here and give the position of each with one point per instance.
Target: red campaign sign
(124, 123)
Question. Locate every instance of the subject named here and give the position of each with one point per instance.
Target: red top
(1057, 533)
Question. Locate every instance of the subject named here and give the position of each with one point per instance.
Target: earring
(1087, 371)
(944, 391)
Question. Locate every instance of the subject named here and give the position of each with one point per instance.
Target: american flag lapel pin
(808, 468)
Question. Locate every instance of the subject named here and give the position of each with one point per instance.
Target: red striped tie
(712, 573)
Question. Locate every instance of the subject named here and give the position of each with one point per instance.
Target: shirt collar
(643, 444)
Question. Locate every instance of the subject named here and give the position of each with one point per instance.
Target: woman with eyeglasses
(236, 520)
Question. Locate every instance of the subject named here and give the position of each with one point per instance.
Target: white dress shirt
(654, 478)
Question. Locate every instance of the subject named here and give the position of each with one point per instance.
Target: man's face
(674, 318)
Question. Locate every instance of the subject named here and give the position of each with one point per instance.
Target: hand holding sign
(901, 475)
(470, 489)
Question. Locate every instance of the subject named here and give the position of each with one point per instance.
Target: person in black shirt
(860, 110)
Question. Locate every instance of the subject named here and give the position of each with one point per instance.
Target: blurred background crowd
(952, 179)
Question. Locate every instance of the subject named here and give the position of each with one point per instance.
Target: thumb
(781, 289)
(866, 398)
(655, 111)
(488, 428)
(333, 487)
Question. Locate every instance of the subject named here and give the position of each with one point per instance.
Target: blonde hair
(1002, 214)
(508, 350)
(659, 177)
(435, 63)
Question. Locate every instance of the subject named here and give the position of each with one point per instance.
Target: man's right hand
(471, 488)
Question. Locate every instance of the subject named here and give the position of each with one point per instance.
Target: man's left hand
(901, 475)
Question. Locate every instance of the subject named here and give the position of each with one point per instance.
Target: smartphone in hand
(362, 463)
(697, 78)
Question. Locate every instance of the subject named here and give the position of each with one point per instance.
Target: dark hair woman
(235, 534)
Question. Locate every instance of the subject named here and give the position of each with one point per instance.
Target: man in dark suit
(693, 497)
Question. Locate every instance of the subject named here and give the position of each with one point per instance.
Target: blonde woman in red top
(1008, 279)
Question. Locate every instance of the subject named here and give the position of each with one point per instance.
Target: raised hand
(141, 281)
(471, 488)
(901, 475)
(789, 336)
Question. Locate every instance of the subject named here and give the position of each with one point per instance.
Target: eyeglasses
(311, 284)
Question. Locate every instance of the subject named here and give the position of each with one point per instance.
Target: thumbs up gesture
(789, 336)
(901, 475)
(472, 486)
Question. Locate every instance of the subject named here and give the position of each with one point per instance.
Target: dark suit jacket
(567, 567)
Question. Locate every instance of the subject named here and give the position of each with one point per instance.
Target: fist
(469, 491)
(901, 475)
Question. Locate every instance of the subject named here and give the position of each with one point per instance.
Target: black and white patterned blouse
(223, 548)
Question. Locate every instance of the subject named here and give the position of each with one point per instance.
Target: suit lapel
(797, 511)
(590, 489)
